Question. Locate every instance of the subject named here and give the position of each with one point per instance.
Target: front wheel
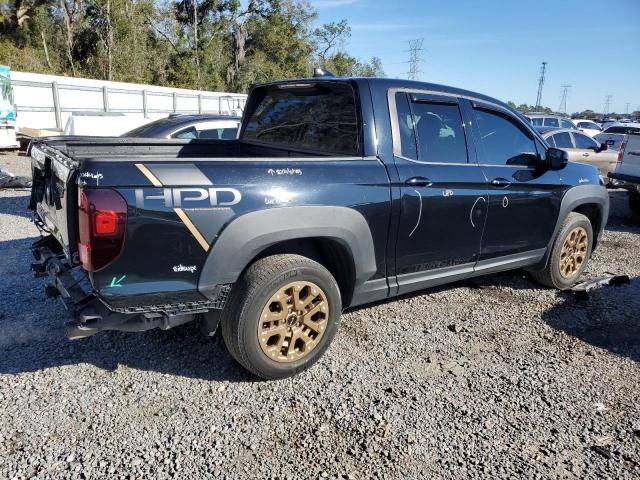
(282, 315)
(569, 255)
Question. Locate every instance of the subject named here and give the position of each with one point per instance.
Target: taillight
(621, 151)
(102, 224)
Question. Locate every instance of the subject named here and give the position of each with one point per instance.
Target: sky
(497, 47)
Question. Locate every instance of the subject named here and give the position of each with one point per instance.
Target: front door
(443, 196)
(524, 200)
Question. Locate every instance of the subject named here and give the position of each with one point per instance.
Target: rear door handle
(419, 182)
(585, 154)
(500, 182)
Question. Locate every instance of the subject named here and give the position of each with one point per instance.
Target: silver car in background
(581, 148)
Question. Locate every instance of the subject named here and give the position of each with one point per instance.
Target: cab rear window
(317, 117)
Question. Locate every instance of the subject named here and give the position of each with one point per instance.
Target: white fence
(47, 101)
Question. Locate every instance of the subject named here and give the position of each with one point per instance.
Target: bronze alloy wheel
(293, 321)
(574, 252)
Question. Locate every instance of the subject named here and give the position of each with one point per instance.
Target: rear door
(443, 195)
(523, 199)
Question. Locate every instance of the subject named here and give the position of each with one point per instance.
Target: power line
(543, 70)
(607, 104)
(563, 101)
(415, 47)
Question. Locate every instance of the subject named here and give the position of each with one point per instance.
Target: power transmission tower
(415, 47)
(563, 101)
(607, 103)
(543, 70)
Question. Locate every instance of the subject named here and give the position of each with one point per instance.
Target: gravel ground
(491, 378)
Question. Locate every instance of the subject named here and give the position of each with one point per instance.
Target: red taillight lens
(106, 223)
(102, 223)
(621, 151)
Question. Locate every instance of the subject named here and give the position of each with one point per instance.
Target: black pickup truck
(337, 193)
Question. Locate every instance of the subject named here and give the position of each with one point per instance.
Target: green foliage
(524, 108)
(205, 44)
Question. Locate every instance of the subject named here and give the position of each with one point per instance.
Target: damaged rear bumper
(89, 313)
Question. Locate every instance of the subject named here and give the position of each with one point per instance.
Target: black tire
(551, 276)
(634, 202)
(240, 318)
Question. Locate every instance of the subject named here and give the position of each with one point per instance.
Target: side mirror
(604, 146)
(556, 159)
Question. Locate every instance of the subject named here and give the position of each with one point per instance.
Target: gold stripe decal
(150, 176)
(192, 228)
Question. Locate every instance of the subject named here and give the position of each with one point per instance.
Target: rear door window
(566, 124)
(406, 129)
(551, 122)
(551, 141)
(537, 122)
(319, 116)
(439, 132)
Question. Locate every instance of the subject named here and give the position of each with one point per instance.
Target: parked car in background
(614, 134)
(211, 127)
(627, 171)
(581, 148)
(589, 127)
(547, 120)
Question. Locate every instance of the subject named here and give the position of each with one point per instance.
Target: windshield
(589, 126)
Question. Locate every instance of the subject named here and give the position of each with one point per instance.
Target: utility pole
(415, 47)
(563, 101)
(543, 70)
(626, 108)
(607, 103)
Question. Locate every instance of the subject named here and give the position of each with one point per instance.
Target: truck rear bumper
(626, 181)
(88, 313)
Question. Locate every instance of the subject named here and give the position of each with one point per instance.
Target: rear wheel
(569, 255)
(282, 315)
(634, 202)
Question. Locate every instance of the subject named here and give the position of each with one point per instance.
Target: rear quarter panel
(177, 210)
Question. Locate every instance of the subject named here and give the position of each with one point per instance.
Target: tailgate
(630, 164)
(54, 194)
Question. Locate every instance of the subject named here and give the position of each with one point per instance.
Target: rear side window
(551, 122)
(537, 122)
(566, 124)
(563, 140)
(551, 141)
(502, 141)
(320, 117)
(623, 130)
(439, 133)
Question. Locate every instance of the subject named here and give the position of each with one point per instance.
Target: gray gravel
(491, 378)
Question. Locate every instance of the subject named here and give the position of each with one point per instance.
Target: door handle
(500, 182)
(585, 154)
(419, 182)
